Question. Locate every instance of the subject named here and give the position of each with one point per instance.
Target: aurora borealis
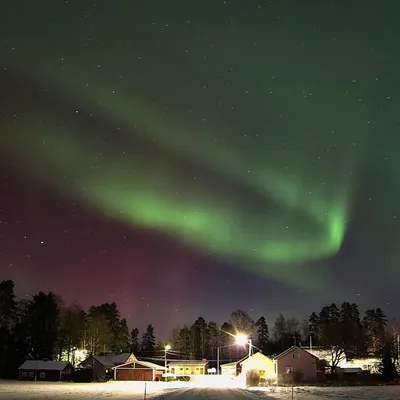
(256, 141)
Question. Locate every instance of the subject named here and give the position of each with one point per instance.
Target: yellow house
(180, 367)
(260, 363)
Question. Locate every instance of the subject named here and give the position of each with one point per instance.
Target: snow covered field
(337, 393)
(19, 390)
(16, 390)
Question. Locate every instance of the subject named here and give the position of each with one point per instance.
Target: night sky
(187, 158)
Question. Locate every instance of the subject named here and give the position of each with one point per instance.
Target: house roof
(111, 360)
(232, 364)
(121, 358)
(290, 349)
(188, 362)
(44, 365)
(258, 354)
(145, 363)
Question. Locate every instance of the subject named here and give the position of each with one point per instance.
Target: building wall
(134, 374)
(366, 364)
(231, 370)
(131, 358)
(261, 363)
(45, 375)
(99, 369)
(228, 371)
(298, 362)
(195, 369)
(68, 373)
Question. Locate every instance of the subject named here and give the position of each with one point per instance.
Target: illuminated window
(262, 374)
(296, 356)
(289, 370)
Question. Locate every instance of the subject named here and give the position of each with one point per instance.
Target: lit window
(289, 370)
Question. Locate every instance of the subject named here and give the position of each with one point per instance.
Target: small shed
(40, 370)
(232, 368)
(139, 371)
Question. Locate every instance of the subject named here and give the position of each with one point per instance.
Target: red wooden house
(39, 370)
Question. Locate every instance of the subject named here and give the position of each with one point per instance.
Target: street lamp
(242, 340)
(166, 348)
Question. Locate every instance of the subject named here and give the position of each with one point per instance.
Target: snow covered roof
(110, 360)
(144, 363)
(293, 348)
(44, 365)
(234, 363)
(254, 357)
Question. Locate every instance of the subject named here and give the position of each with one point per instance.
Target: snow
(332, 393)
(20, 390)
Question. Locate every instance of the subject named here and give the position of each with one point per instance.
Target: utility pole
(94, 372)
(217, 360)
(166, 348)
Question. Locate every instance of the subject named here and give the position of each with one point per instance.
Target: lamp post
(166, 348)
(242, 340)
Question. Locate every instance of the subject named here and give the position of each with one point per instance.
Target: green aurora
(289, 207)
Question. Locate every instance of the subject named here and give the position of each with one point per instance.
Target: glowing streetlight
(166, 348)
(242, 340)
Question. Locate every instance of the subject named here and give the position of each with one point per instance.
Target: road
(209, 394)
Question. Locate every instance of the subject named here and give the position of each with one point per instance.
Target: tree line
(45, 328)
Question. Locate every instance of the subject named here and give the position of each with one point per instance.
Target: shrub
(252, 378)
(298, 376)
